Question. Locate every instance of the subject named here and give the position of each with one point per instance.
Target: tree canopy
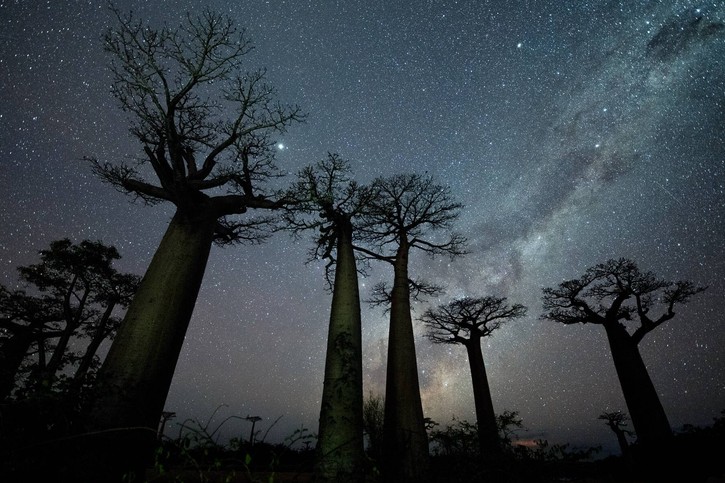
(71, 294)
(205, 125)
(617, 290)
(468, 319)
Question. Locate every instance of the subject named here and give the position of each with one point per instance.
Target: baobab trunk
(485, 415)
(134, 380)
(404, 438)
(647, 414)
(340, 453)
(622, 440)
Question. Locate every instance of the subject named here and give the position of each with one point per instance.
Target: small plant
(197, 450)
(543, 451)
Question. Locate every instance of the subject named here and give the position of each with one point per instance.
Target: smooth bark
(134, 380)
(340, 453)
(645, 409)
(404, 438)
(485, 414)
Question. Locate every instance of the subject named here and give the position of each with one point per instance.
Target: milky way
(573, 132)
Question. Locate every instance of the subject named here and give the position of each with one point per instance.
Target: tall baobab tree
(615, 294)
(466, 321)
(406, 214)
(327, 191)
(204, 128)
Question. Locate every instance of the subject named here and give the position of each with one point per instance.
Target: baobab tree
(406, 214)
(466, 321)
(617, 421)
(204, 128)
(326, 191)
(614, 295)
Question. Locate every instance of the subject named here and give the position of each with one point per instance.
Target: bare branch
(467, 320)
(179, 85)
(325, 200)
(126, 180)
(410, 208)
(615, 292)
(252, 231)
(380, 296)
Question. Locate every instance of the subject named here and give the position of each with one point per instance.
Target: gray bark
(404, 438)
(645, 409)
(134, 380)
(485, 414)
(340, 453)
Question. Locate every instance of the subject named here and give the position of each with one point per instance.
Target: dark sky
(573, 132)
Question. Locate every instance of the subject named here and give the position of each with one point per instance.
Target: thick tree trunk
(12, 353)
(647, 414)
(404, 438)
(134, 380)
(485, 415)
(340, 453)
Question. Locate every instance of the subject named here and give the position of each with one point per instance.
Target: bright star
(280, 146)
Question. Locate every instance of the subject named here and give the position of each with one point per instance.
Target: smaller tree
(617, 421)
(75, 290)
(50, 334)
(508, 423)
(24, 320)
(466, 321)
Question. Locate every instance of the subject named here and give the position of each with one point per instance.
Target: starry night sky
(573, 132)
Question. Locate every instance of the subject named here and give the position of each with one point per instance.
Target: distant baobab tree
(615, 294)
(326, 191)
(617, 421)
(466, 321)
(204, 128)
(406, 214)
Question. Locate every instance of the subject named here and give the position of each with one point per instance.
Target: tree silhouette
(24, 320)
(204, 128)
(509, 424)
(466, 321)
(373, 419)
(406, 214)
(617, 421)
(614, 294)
(76, 290)
(327, 191)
